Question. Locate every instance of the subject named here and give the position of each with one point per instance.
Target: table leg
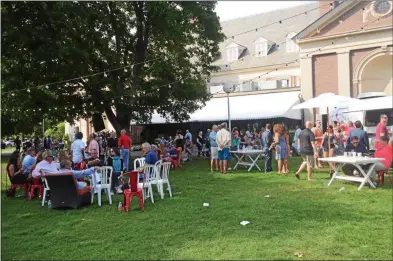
(335, 172)
(366, 176)
(238, 160)
(254, 162)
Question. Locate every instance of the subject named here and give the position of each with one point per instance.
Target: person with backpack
(116, 163)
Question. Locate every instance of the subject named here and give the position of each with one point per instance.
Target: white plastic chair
(140, 162)
(46, 188)
(149, 177)
(164, 169)
(103, 174)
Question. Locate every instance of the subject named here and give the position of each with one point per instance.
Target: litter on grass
(299, 254)
(243, 223)
(267, 196)
(341, 189)
(206, 204)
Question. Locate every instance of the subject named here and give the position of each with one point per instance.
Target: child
(116, 163)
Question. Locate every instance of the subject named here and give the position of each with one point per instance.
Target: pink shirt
(93, 149)
(381, 129)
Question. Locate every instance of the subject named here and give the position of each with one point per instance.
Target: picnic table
(247, 157)
(358, 162)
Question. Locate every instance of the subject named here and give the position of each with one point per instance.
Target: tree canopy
(132, 50)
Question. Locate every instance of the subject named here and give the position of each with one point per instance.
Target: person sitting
(29, 161)
(47, 164)
(356, 147)
(66, 167)
(15, 172)
(116, 163)
(384, 150)
(361, 134)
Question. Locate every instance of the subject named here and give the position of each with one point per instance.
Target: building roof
(275, 33)
(324, 19)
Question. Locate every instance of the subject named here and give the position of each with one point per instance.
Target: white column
(344, 74)
(306, 73)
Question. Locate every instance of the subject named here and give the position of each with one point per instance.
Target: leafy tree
(56, 132)
(160, 42)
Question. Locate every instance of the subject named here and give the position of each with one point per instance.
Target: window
(260, 49)
(216, 89)
(382, 7)
(284, 83)
(291, 46)
(233, 54)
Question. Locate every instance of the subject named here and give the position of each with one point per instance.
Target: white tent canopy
(374, 104)
(257, 106)
(330, 100)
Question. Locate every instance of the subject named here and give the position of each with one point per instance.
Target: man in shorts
(213, 148)
(308, 150)
(223, 140)
(318, 135)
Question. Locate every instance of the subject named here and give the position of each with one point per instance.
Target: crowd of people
(313, 143)
(106, 149)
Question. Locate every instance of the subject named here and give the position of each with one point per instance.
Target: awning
(374, 104)
(254, 106)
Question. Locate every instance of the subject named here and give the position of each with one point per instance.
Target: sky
(228, 10)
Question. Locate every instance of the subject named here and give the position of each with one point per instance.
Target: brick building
(359, 61)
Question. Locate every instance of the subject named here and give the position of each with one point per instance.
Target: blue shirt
(189, 135)
(151, 158)
(163, 141)
(212, 138)
(296, 137)
(28, 161)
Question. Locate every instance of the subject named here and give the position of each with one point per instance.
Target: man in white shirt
(78, 150)
(223, 140)
(47, 164)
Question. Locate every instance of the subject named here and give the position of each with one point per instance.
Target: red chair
(133, 191)
(36, 185)
(18, 181)
(381, 177)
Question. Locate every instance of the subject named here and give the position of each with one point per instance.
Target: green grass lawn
(300, 216)
(8, 150)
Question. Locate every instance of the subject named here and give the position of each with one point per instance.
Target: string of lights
(125, 68)
(169, 85)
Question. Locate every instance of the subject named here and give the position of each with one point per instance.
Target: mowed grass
(299, 216)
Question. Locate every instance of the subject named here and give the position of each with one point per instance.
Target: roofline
(325, 18)
(255, 68)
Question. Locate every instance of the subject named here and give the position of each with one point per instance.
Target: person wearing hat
(29, 161)
(47, 164)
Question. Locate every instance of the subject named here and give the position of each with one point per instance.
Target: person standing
(200, 141)
(125, 145)
(308, 150)
(188, 135)
(93, 149)
(281, 148)
(296, 138)
(223, 140)
(318, 135)
(213, 148)
(18, 143)
(381, 130)
(266, 141)
(207, 142)
(78, 150)
(37, 144)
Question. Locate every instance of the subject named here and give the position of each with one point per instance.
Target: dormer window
(291, 46)
(261, 47)
(234, 50)
(232, 54)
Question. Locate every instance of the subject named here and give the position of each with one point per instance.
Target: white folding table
(358, 162)
(247, 158)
